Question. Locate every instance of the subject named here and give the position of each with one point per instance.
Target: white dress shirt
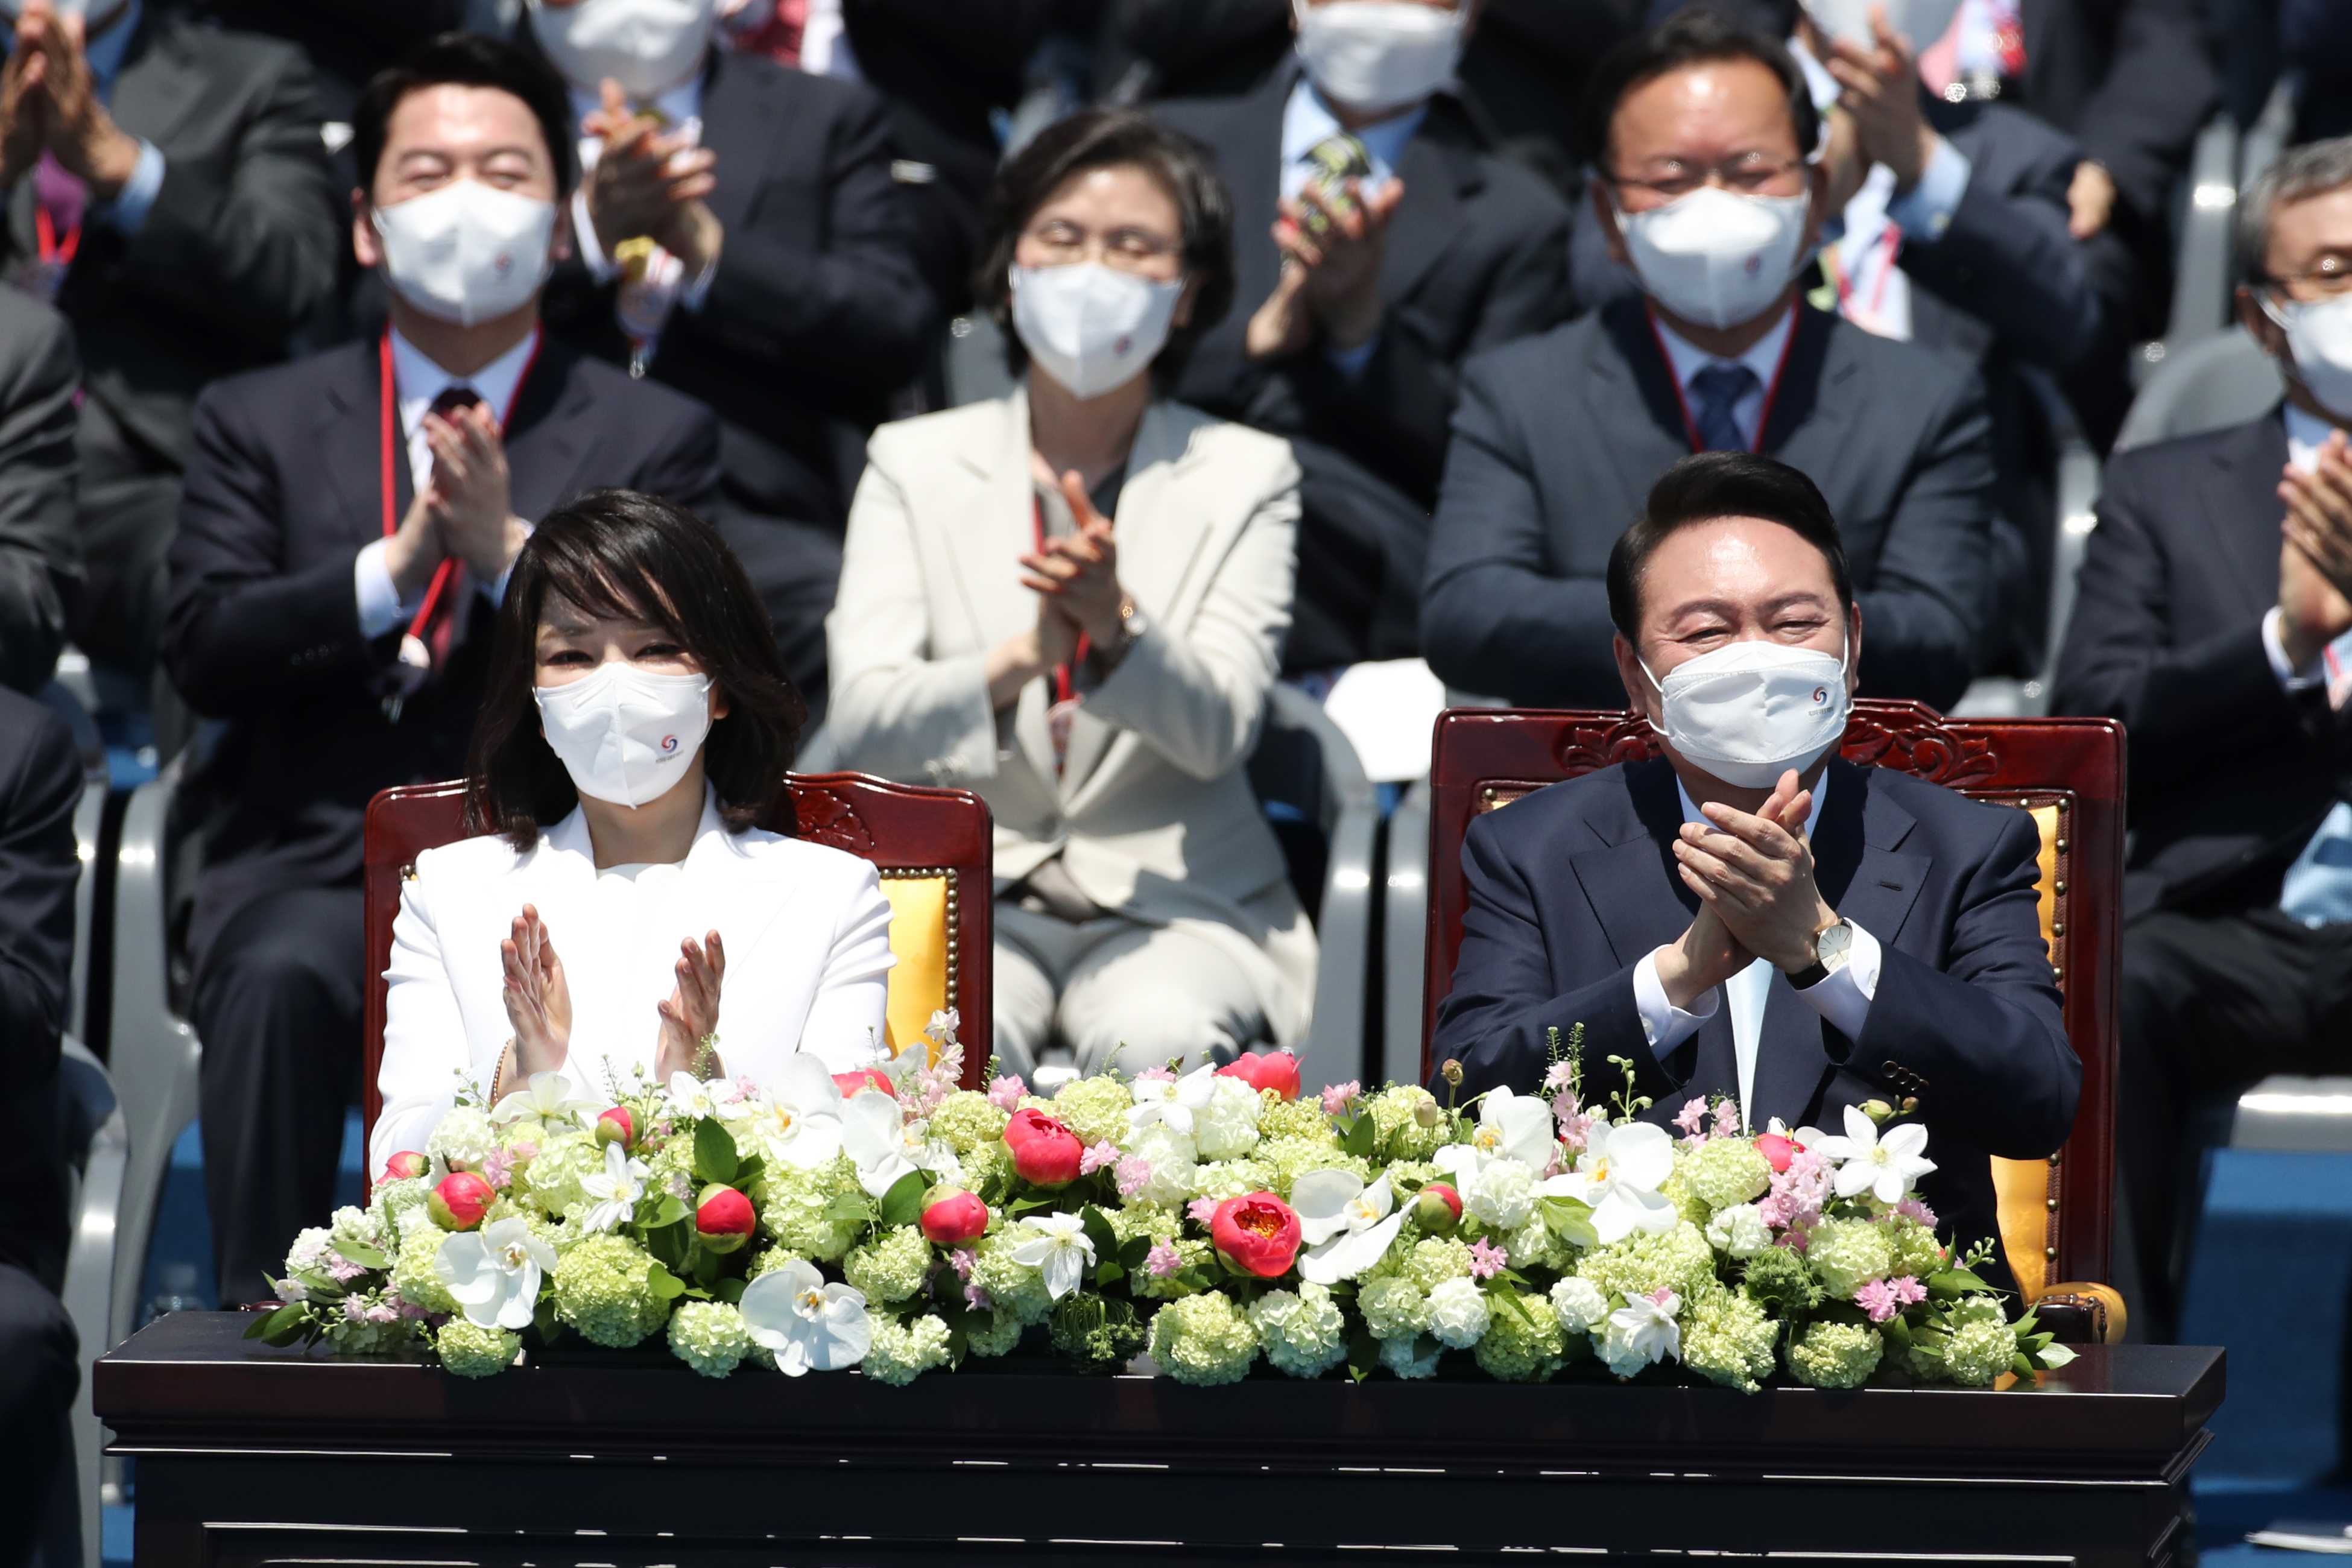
(643, 306)
(1842, 999)
(1763, 357)
(417, 381)
(1306, 122)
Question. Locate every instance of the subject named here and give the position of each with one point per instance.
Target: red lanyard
(52, 252)
(1889, 240)
(448, 570)
(1064, 691)
(1771, 392)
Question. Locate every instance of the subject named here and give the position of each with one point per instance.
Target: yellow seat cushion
(920, 982)
(2021, 1188)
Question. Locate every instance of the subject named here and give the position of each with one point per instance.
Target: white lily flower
(799, 1114)
(1346, 1225)
(1061, 1250)
(1641, 1331)
(1885, 1167)
(617, 1187)
(875, 1135)
(494, 1273)
(548, 1097)
(809, 1324)
(1172, 1105)
(690, 1097)
(1510, 1127)
(1618, 1178)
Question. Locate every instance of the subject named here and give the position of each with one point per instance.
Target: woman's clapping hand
(691, 1012)
(538, 999)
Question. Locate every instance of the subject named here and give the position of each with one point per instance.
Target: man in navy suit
(1752, 917)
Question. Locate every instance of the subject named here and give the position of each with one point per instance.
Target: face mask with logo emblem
(1091, 327)
(467, 252)
(626, 735)
(1749, 711)
(1717, 257)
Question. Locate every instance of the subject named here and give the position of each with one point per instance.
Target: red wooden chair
(932, 846)
(2056, 1220)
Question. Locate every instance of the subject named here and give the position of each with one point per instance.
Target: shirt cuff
(690, 297)
(496, 592)
(1925, 211)
(600, 265)
(1350, 363)
(379, 601)
(1663, 1025)
(2274, 649)
(127, 213)
(1843, 999)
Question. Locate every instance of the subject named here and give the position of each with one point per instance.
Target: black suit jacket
(1570, 887)
(1560, 438)
(40, 552)
(816, 312)
(239, 248)
(2230, 774)
(2128, 79)
(262, 629)
(40, 784)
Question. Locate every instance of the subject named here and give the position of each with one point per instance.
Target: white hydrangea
(1401, 1356)
(1502, 1195)
(1172, 1156)
(1226, 1128)
(1459, 1313)
(1738, 1230)
(310, 1249)
(1393, 1306)
(1580, 1303)
(1304, 1334)
(462, 1138)
(358, 1226)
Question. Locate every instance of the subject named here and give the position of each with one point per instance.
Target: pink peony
(406, 1163)
(856, 1083)
(617, 1126)
(724, 1218)
(1256, 1233)
(460, 1201)
(955, 1217)
(1276, 1071)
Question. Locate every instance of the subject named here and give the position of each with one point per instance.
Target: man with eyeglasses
(2215, 620)
(1707, 192)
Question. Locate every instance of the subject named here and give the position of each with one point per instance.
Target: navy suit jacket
(1570, 887)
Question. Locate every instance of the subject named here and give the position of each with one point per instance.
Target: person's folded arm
(1923, 613)
(1496, 617)
(40, 547)
(844, 1025)
(2142, 119)
(896, 708)
(40, 867)
(1196, 694)
(1984, 1033)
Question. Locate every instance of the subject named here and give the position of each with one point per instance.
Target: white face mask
(1091, 327)
(1922, 21)
(2319, 335)
(467, 252)
(646, 45)
(625, 734)
(1377, 54)
(1714, 258)
(1749, 711)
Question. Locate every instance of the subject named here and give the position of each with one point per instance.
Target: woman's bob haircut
(620, 553)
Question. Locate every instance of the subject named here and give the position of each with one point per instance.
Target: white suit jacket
(1153, 815)
(805, 927)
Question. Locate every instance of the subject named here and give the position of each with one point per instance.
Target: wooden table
(249, 1456)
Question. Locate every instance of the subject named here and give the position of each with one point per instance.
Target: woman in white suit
(1073, 599)
(636, 702)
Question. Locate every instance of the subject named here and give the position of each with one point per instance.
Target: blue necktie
(1717, 389)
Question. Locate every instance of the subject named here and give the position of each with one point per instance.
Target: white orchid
(1510, 1127)
(809, 1324)
(1060, 1249)
(616, 1189)
(881, 1142)
(1172, 1105)
(548, 1097)
(1618, 1176)
(717, 1098)
(1346, 1225)
(1641, 1331)
(799, 1115)
(1884, 1167)
(494, 1273)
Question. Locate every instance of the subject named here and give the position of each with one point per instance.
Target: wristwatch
(1832, 944)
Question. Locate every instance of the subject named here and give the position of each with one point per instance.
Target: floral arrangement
(1207, 1220)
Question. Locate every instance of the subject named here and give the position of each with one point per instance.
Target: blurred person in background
(40, 552)
(334, 586)
(2215, 620)
(1379, 242)
(738, 236)
(1709, 195)
(170, 195)
(1072, 600)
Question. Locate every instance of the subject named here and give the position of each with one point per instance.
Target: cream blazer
(806, 929)
(1153, 816)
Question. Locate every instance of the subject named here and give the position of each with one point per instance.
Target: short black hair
(618, 552)
(1710, 485)
(466, 59)
(1103, 138)
(1693, 36)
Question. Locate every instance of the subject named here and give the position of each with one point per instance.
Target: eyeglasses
(1749, 174)
(1128, 249)
(2327, 278)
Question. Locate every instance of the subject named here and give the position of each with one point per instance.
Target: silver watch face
(1830, 946)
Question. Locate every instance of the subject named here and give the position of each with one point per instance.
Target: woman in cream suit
(1073, 599)
(635, 700)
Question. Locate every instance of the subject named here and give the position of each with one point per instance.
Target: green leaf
(1108, 1273)
(730, 1291)
(749, 1169)
(1362, 1134)
(1571, 1219)
(903, 1203)
(1131, 1256)
(284, 1326)
(715, 1158)
(1956, 1282)
(1363, 1352)
(364, 1256)
(669, 1211)
(666, 1286)
(667, 1243)
(849, 1208)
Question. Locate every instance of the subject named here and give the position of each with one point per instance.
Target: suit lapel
(549, 436)
(1438, 174)
(1252, 164)
(747, 114)
(1812, 387)
(990, 525)
(1632, 395)
(157, 89)
(2242, 505)
(348, 434)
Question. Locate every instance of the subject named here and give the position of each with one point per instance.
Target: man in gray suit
(1706, 190)
(40, 554)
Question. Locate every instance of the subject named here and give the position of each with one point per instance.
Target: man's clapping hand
(48, 98)
(651, 184)
(468, 498)
(2315, 553)
(1755, 872)
(1331, 282)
